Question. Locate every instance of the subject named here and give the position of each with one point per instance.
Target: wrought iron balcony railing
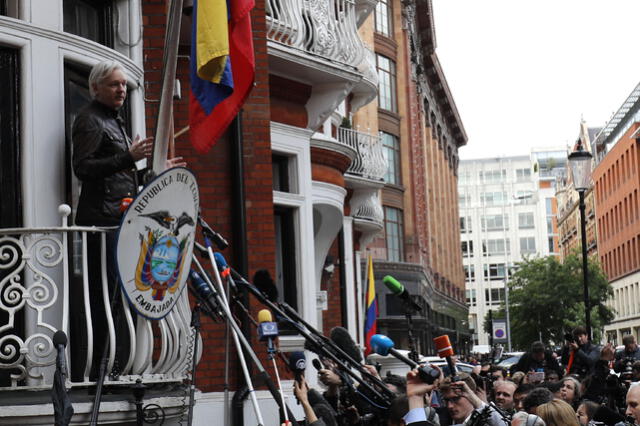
(370, 162)
(39, 267)
(325, 28)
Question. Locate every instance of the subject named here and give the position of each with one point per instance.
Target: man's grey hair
(100, 71)
(527, 419)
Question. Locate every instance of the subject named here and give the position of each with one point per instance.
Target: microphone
(267, 329)
(204, 293)
(341, 337)
(398, 289)
(445, 350)
(222, 265)
(382, 345)
(60, 342)
(317, 364)
(211, 235)
(297, 364)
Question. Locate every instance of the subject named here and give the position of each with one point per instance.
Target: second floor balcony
(369, 164)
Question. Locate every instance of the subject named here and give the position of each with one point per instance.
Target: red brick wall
(214, 170)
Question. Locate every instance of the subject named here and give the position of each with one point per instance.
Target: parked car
(511, 359)
(391, 364)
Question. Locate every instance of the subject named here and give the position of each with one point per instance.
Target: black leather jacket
(101, 160)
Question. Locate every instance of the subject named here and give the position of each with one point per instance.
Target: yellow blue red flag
(371, 313)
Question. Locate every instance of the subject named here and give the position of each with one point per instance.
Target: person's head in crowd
(497, 373)
(551, 376)
(396, 384)
(554, 388)
(537, 351)
(536, 397)
(570, 390)
(585, 412)
(522, 418)
(328, 376)
(629, 342)
(557, 413)
(580, 335)
(459, 408)
(520, 394)
(503, 391)
(518, 377)
(633, 403)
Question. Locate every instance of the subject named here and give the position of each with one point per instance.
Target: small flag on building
(371, 313)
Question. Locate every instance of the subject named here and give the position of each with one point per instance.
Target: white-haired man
(104, 159)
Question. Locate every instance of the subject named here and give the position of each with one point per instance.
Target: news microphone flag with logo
(222, 67)
(371, 316)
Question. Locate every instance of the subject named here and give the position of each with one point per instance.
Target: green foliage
(547, 296)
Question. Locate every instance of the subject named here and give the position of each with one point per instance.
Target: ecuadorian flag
(222, 67)
(371, 313)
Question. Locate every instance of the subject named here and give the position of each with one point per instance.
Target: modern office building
(507, 213)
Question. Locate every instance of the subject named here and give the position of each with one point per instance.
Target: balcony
(369, 163)
(316, 42)
(38, 269)
(326, 29)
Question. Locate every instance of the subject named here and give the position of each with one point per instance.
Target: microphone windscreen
(317, 364)
(393, 284)
(264, 315)
(221, 262)
(326, 413)
(263, 281)
(297, 361)
(341, 337)
(381, 344)
(59, 338)
(443, 346)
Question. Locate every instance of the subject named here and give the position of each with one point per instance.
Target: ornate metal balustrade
(369, 208)
(37, 266)
(326, 28)
(370, 162)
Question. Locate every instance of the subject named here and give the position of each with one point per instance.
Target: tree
(546, 299)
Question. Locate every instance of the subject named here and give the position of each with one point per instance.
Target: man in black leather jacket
(104, 159)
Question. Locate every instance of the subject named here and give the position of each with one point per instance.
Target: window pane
(386, 83)
(383, 17)
(89, 19)
(525, 220)
(527, 245)
(391, 152)
(394, 234)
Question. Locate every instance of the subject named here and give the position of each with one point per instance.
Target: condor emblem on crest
(155, 242)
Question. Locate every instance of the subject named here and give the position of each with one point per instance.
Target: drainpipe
(239, 231)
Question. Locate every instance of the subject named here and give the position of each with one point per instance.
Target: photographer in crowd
(538, 359)
(626, 357)
(580, 355)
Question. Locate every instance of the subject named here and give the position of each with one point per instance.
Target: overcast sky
(523, 72)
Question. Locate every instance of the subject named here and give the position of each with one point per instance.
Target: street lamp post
(580, 163)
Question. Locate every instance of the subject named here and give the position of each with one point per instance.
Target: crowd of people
(581, 384)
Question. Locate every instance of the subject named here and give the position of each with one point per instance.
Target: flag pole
(164, 121)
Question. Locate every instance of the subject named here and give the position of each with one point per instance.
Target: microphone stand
(195, 323)
(241, 341)
(320, 343)
(413, 352)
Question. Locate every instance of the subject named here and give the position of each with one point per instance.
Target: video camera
(569, 338)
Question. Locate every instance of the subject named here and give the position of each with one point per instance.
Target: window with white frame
(386, 83)
(465, 224)
(391, 152)
(493, 176)
(527, 245)
(493, 198)
(384, 18)
(90, 19)
(394, 234)
(496, 247)
(523, 175)
(469, 272)
(494, 271)
(525, 220)
(467, 248)
(495, 222)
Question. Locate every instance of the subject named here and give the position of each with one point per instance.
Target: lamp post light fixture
(580, 164)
